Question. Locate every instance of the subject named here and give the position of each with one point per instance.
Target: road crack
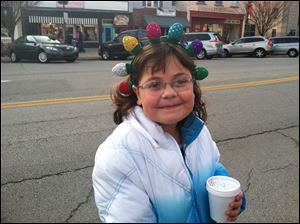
(248, 181)
(80, 204)
(278, 168)
(289, 137)
(46, 175)
(260, 133)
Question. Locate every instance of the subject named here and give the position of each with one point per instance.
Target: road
(54, 116)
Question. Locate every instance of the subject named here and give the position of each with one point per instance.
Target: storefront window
(55, 31)
(52, 30)
(217, 28)
(90, 33)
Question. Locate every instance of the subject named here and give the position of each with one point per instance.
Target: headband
(153, 31)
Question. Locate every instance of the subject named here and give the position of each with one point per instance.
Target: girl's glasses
(156, 87)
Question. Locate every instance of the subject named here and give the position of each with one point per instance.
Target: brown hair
(157, 55)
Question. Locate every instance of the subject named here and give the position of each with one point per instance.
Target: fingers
(234, 208)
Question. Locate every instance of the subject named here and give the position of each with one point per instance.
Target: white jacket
(140, 174)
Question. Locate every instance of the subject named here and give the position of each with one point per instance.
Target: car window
(217, 36)
(45, 40)
(20, 40)
(293, 40)
(119, 38)
(240, 41)
(199, 36)
(4, 35)
(281, 40)
(258, 39)
(131, 33)
(191, 37)
(30, 39)
(141, 33)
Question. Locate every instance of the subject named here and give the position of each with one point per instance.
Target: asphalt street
(54, 116)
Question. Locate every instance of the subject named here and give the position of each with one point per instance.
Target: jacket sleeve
(222, 171)
(119, 193)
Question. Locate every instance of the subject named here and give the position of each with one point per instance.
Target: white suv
(257, 45)
(212, 44)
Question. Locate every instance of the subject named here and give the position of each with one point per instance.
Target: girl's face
(167, 105)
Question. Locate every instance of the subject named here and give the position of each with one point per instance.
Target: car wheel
(260, 53)
(105, 55)
(13, 57)
(226, 54)
(42, 57)
(292, 53)
(201, 55)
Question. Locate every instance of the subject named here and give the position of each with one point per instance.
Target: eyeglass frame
(164, 85)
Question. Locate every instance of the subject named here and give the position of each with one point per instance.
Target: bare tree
(11, 14)
(266, 14)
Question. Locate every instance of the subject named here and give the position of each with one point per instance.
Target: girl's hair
(157, 56)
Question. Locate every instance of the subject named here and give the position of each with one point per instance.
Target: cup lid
(223, 186)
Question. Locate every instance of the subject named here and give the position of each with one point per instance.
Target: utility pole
(64, 25)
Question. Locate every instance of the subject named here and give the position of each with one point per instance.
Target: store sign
(121, 20)
(165, 12)
(72, 4)
(232, 21)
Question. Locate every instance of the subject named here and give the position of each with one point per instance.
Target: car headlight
(52, 48)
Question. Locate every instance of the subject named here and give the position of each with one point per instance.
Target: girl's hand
(234, 207)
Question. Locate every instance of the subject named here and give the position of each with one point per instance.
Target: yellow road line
(44, 102)
(248, 84)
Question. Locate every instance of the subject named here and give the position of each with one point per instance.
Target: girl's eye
(154, 85)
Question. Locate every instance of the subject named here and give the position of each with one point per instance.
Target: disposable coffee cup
(221, 191)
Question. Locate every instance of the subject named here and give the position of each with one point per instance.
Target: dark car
(115, 48)
(41, 48)
(288, 45)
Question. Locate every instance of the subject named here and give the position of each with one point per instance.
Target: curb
(7, 59)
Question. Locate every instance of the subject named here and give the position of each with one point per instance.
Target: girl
(154, 166)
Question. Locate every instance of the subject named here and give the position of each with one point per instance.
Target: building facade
(164, 13)
(289, 23)
(98, 20)
(223, 17)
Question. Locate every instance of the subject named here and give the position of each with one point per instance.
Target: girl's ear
(136, 91)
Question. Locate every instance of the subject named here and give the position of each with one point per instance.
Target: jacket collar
(190, 128)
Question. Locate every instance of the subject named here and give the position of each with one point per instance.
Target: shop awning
(165, 21)
(59, 20)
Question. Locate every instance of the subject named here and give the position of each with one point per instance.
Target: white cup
(221, 191)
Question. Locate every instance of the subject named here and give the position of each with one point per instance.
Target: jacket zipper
(189, 173)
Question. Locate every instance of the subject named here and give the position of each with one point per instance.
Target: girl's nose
(169, 91)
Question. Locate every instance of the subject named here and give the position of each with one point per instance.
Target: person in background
(80, 40)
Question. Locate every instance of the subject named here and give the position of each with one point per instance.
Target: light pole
(64, 25)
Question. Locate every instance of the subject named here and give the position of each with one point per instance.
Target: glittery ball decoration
(197, 46)
(120, 69)
(124, 88)
(129, 43)
(153, 31)
(175, 32)
(201, 73)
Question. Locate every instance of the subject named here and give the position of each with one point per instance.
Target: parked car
(257, 45)
(115, 48)
(285, 45)
(212, 44)
(41, 48)
(5, 39)
(5, 44)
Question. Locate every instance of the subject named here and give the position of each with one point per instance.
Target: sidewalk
(89, 54)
